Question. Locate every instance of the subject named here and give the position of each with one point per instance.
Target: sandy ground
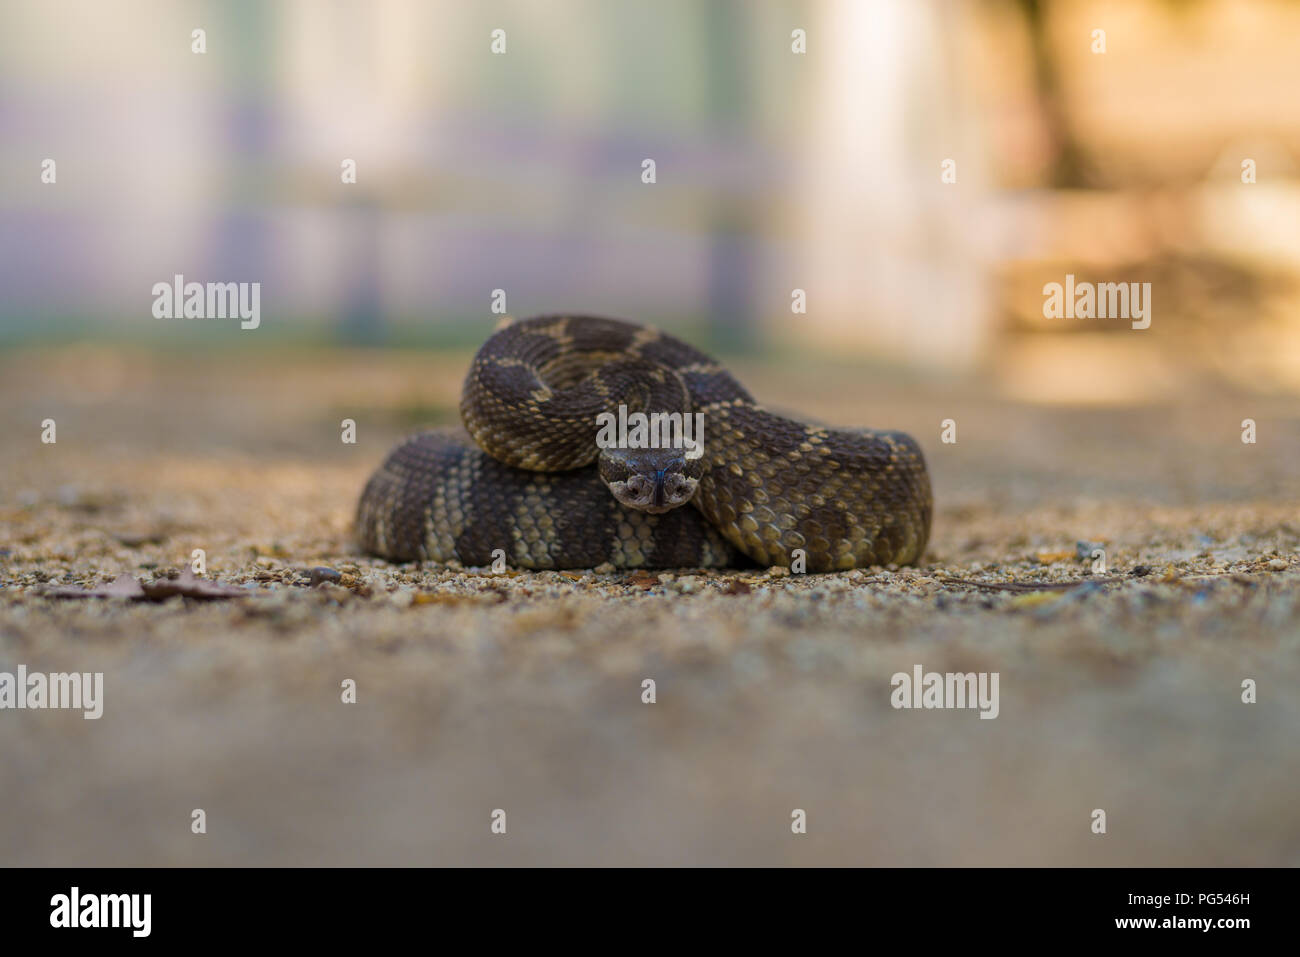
(523, 692)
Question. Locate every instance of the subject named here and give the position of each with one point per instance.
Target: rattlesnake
(766, 487)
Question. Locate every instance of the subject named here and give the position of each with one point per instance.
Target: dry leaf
(123, 586)
(1046, 557)
(1034, 599)
(191, 586)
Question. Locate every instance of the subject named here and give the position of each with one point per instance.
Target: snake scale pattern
(522, 481)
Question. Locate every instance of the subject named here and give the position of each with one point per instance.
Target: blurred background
(775, 171)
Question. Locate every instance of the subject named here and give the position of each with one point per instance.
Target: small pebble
(321, 574)
(1083, 550)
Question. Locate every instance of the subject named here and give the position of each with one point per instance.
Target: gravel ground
(1119, 690)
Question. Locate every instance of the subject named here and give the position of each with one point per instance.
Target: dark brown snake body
(774, 490)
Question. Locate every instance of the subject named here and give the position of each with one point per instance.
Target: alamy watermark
(179, 299)
(1107, 300)
(73, 690)
(656, 430)
(950, 690)
(75, 909)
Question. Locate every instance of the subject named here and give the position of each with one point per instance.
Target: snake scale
(529, 482)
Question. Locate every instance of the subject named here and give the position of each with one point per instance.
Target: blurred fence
(797, 146)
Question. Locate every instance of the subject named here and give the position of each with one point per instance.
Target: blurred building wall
(776, 171)
(477, 172)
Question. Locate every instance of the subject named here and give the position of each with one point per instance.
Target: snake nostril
(641, 488)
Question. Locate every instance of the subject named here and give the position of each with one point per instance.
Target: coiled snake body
(769, 488)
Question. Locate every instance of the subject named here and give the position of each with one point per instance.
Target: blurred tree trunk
(1070, 168)
(733, 252)
(241, 245)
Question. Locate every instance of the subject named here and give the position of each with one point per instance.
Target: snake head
(652, 480)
